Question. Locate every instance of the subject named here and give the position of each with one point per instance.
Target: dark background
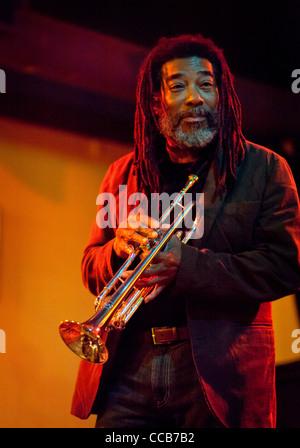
(260, 38)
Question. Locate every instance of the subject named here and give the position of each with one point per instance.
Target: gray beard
(196, 137)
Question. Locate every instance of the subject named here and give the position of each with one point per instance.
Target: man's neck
(177, 155)
(190, 155)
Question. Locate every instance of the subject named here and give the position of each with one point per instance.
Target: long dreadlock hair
(149, 143)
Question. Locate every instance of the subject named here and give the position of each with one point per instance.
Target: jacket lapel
(212, 204)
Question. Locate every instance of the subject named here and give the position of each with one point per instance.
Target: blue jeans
(157, 387)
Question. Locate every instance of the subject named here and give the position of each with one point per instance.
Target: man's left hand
(162, 270)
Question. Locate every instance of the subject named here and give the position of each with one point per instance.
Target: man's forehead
(184, 66)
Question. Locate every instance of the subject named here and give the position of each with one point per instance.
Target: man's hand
(162, 271)
(135, 233)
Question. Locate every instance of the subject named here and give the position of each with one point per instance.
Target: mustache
(195, 112)
(212, 117)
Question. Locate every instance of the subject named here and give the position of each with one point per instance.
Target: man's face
(187, 110)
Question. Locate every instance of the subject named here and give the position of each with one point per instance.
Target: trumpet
(120, 299)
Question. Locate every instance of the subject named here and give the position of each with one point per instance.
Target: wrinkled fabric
(248, 257)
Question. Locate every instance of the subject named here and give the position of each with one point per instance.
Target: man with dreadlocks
(210, 362)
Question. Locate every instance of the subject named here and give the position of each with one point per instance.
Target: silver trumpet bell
(120, 299)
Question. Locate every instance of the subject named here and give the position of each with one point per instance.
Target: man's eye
(175, 87)
(207, 85)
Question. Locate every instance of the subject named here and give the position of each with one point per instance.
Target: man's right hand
(135, 233)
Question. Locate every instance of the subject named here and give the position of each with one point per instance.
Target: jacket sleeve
(270, 269)
(99, 260)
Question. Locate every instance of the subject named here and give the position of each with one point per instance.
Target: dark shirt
(167, 310)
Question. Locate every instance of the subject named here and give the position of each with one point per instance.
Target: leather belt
(165, 335)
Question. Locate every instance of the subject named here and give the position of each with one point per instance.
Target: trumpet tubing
(119, 300)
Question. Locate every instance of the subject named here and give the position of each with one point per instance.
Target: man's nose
(194, 97)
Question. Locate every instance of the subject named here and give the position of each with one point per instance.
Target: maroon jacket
(247, 257)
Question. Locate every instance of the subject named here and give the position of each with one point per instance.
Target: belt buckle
(155, 335)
